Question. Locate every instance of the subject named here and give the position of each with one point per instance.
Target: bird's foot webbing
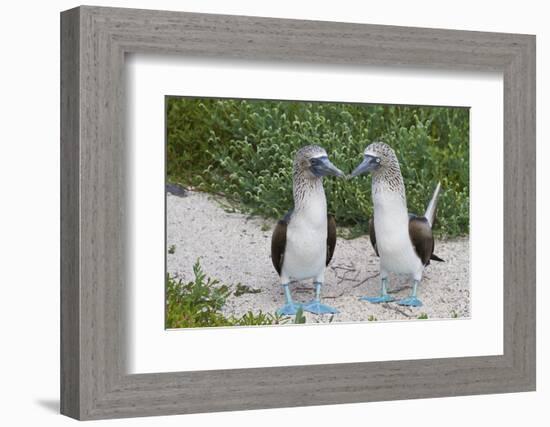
(315, 306)
(383, 297)
(290, 308)
(412, 300)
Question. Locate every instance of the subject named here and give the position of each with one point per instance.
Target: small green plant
(244, 289)
(422, 316)
(198, 303)
(300, 318)
(372, 318)
(172, 249)
(454, 314)
(252, 319)
(265, 227)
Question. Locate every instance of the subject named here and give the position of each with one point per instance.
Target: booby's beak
(368, 164)
(321, 166)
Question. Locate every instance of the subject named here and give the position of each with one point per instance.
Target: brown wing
(278, 243)
(331, 237)
(372, 235)
(422, 238)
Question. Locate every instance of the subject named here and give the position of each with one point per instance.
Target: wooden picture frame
(94, 382)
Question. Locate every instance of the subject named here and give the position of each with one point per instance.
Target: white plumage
(391, 221)
(306, 240)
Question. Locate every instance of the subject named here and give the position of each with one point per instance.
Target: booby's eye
(318, 160)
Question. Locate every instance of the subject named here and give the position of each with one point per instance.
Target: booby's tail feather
(432, 206)
(436, 258)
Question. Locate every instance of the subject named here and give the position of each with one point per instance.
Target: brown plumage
(331, 237)
(278, 241)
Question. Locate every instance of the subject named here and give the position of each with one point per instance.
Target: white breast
(391, 223)
(306, 241)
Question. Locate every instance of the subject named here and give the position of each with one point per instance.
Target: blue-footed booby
(303, 241)
(404, 242)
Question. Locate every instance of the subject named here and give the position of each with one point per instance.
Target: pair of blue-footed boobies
(303, 242)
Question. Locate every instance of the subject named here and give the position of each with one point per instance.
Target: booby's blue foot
(316, 307)
(379, 299)
(289, 309)
(410, 302)
(383, 297)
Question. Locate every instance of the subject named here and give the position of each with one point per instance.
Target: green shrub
(198, 304)
(244, 150)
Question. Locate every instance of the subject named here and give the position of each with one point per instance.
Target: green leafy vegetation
(372, 318)
(300, 318)
(244, 289)
(198, 304)
(422, 316)
(172, 249)
(244, 150)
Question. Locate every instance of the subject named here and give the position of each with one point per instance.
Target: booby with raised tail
(303, 241)
(404, 242)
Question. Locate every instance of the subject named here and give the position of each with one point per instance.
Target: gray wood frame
(94, 382)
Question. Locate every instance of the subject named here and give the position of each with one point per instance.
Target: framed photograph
(261, 213)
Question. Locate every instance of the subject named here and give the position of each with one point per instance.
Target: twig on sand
(351, 267)
(341, 294)
(344, 278)
(396, 309)
(348, 279)
(365, 280)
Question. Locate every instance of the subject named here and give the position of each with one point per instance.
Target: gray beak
(321, 166)
(368, 164)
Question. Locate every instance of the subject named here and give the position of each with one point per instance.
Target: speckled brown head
(378, 158)
(312, 162)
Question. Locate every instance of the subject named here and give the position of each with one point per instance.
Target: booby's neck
(309, 195)
(387, 184)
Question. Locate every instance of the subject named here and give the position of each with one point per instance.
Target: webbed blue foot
(383, 297)
(410, 302)
(289, 309)
(316, 307)
(379, 299)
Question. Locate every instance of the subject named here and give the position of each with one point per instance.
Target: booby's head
(377, 157)
(312, 162)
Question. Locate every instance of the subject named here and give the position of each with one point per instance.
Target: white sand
(235, 248)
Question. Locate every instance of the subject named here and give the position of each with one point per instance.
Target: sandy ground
(235, 248)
